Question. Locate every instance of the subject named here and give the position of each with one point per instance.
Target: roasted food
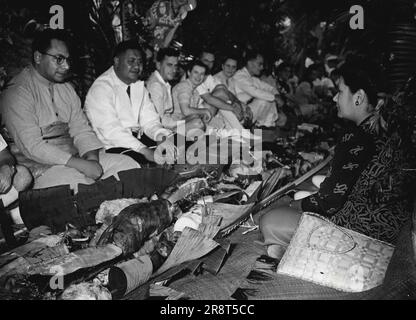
(137, 223)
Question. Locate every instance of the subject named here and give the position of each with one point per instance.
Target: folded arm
(350, 159)
(184, 100)
(254, 89)
(21, 120)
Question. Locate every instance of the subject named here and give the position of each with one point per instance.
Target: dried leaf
(82, 259)
(190, 246)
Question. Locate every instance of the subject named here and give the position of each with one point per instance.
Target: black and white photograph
(204, 156)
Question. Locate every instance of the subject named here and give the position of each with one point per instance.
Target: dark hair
(283, 66)
(166, 52)
(252, 55)
(43, 39)
(198, 63)
(230, 57)
(308, 72)
(122, 47)
(334, 74)
(205, 50)
(356, 78)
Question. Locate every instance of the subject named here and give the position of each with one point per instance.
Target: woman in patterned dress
(366, 188)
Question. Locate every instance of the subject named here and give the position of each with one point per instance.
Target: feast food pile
(127, 243)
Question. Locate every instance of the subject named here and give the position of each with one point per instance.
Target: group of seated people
(61, 142)
(56, 141)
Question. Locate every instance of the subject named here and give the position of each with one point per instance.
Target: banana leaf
(71, 262)
(191, 245)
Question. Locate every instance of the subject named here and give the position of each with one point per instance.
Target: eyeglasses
(59, 59)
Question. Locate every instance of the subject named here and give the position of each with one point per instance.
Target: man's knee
(258, 103)
(196, 123)
(282, 120)
(221, 92)
(22, 179)
(115, 163)
(61, 175)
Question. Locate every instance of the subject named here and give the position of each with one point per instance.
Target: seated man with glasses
(59, 59)
(43, 115)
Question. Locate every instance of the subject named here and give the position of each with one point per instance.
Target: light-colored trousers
(62, 175)
(264, 113)
(226, 120)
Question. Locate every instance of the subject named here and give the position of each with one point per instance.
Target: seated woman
(365, 189)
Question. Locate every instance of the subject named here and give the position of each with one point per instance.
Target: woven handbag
(332, 256)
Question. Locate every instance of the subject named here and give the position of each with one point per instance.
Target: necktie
(128, 91)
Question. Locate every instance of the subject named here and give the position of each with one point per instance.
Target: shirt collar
(118, 81)
(159, 77)
(246, 71)
(190, 83)
(222, 74)
(40, 78)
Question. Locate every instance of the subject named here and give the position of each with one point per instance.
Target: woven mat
(236, 279)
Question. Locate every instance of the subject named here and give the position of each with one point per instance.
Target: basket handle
(354, 243)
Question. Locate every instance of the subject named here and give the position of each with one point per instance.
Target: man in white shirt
(261, 97)
(161, 95)
(119, 107)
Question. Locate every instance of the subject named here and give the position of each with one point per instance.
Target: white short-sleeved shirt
(3, 144)
(208, 85)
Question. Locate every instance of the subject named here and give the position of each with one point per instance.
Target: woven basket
(326, 254)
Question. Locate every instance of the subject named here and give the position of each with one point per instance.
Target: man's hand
(206, 115)
(279, 101)
(248, 114)
(168, 147)
(6, 178)
(148, 153)
(90, 168)
(238, 110)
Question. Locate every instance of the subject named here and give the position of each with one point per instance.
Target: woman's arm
(351, 157)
